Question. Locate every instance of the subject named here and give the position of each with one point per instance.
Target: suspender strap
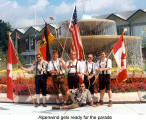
(91, 69)
(87, 67)
(105, 65)
(36, 68)
(76, 66)
(91, 72)
(55, 67)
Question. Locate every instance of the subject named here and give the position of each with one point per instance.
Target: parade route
(15, 111)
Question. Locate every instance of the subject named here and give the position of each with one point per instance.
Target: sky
(22, 13)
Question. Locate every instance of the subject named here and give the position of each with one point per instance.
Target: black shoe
(110, 103)
(37, 104)
(101, 102)
(44, 105)
(55, 107)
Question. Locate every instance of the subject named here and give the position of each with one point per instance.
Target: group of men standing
(74, 94)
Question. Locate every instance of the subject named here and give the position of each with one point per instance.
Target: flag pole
(57, 39)
(63, 47)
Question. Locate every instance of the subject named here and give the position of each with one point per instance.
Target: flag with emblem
(119, 52)
(11, 59)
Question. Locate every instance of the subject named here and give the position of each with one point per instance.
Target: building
(29, 36)
(134, 21)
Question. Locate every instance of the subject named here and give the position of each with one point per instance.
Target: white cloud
(40, 5)
(63, 8)
(22, 22)
(92, 7)
(96, 6)
(19, 15)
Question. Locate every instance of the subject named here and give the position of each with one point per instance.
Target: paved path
(13, 111)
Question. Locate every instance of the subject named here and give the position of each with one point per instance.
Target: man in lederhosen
(74, 71)
(57, 69)
(89, 73)
(40, 68)
(103, 67)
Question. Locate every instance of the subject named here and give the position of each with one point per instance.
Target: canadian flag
(119, 52)
(11, 59)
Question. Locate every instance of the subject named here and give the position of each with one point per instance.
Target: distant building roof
(23, 30)
(37, 27)
(123, 15)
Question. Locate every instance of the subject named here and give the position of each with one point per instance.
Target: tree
(4, 29)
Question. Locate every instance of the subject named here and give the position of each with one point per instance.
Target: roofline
(136, 13)
(113, 14)
(116, 16)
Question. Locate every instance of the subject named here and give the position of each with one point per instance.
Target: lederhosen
(89, 83)
(73, 78)
(40, 80)
(59, 82)
(104, 79)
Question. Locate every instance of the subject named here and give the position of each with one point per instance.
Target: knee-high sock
(44, 99)
(38, 98)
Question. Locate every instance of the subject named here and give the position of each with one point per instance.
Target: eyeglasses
(38, 57)
(82, 86)
(89, 57)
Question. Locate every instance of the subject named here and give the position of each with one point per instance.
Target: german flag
(47, 38)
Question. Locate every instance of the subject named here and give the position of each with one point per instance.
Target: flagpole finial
(9, 33)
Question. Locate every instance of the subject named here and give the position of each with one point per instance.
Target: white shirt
(88, 66)
(57, 65)
(102, 64)
(73, 69)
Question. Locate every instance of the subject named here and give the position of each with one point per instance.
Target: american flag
(76, 43)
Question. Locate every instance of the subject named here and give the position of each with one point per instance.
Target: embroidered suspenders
(105, 65)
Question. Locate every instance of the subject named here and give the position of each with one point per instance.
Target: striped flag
(119, 52)
(47, 38)
(76, 43)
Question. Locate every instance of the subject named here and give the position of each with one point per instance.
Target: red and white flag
(119, 52)
(11, 59)
(76, 43)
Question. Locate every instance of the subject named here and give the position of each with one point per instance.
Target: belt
(57, 75)
(39, 75)
(72, 73)
(104, 74)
